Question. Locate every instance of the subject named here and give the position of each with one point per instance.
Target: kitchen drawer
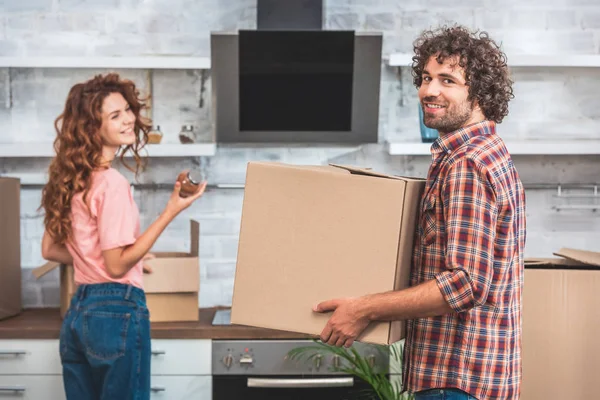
(24, 357)
(181, 388)
(181, 357)
(32, 387)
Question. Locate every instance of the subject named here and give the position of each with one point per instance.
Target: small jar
(189, 186)
(155, 135)
(186, 135)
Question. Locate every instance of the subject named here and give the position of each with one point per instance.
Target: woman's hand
(177, 204)
(52, 251)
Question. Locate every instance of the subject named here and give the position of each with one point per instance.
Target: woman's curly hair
(78, 147)
(484, 63)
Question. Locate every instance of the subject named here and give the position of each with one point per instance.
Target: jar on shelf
(155, 135)
(186, 135)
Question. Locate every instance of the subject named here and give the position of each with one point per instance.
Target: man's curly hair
(484, 63)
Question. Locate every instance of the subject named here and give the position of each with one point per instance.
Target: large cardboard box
(10, 247)
(171, 289)
(314, 233)
(561, 326)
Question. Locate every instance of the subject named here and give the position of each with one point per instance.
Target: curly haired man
(463, 307)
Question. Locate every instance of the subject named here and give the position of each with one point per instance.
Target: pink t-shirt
(114, 222)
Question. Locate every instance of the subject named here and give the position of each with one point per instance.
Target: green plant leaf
(358, 366)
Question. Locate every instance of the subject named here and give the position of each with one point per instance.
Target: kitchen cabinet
(181, 387)
(31, 369)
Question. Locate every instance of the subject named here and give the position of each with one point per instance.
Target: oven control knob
(317, 361)
(336, 361)
(371, 360)
(246, 359)
(228, 360)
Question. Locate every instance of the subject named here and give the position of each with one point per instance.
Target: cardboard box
(314, 233)
(171, 289)
(561, 326)
(10, 247)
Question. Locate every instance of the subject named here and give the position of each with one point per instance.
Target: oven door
(287, 387)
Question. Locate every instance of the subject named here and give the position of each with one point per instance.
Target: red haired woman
(92, 222)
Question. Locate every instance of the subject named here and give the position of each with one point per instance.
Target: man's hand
(146, 268)
(347, 322)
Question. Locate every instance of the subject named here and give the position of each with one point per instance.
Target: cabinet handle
(12, 352)
(300, 383)
(158, 352)
(19, 389)
(156, 389)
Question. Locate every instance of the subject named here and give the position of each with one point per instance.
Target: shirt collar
(453, 140)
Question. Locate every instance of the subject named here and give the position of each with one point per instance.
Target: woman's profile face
(118, 122)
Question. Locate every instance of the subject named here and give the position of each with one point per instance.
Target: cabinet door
(26, 357)
(34, 387)
(181, 357)
(181, 388)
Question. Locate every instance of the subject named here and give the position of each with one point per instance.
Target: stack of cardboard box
(561, 326)
(10, 247)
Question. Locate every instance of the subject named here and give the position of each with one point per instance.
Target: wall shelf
(526, 147)
(522, 60)
(22, 150)
(166, 62)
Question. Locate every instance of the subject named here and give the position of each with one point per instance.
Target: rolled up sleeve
(470, 213)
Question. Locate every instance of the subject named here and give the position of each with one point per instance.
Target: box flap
(317, 168)
(370, 172)
(555, 263)
(44, 269)
(195, 238)
(581, 256)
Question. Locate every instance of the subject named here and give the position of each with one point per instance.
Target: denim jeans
(443, 394)
(105, 344)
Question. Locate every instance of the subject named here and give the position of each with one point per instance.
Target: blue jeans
(443, 394)
(105, 344)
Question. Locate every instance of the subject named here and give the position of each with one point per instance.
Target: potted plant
(355, 364)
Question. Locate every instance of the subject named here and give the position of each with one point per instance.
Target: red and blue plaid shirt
(470, 239)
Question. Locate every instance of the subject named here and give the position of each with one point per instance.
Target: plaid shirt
(470, 239)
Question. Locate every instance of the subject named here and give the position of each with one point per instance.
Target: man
(464, 304)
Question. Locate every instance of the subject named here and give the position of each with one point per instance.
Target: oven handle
(300, 383)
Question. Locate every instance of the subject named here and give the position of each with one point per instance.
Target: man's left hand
(346, 323)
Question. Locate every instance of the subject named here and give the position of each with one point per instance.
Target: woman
(92, 222)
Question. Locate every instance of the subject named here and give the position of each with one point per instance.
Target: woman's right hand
(176, 204)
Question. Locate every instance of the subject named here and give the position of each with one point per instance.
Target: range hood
(289, 14)
(291, 81)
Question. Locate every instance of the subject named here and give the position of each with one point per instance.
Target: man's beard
(454, 117)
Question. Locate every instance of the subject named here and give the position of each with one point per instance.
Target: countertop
(45, 323)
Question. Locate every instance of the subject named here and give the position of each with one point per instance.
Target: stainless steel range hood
(290, 81)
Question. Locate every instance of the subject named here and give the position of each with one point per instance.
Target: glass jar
(428, 135)
(189, 185)
(186, 135)
(155, 135)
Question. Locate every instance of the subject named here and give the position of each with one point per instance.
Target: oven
(260, 369)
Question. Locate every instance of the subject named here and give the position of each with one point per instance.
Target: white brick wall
(550, 103)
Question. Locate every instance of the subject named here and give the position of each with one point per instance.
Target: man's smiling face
(444, 96)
